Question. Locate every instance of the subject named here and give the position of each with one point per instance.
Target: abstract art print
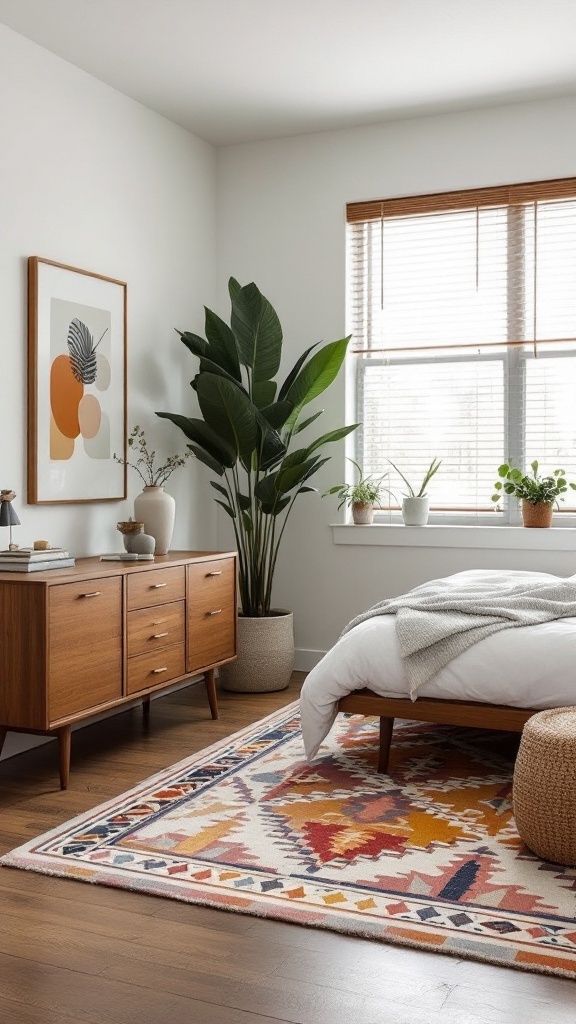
(76, 384)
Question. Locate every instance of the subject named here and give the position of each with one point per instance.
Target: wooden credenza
(78, 641)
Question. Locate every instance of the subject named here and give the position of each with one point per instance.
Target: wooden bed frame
(430, 709)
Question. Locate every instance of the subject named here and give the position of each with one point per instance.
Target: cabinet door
(85, 646)
(211, 613)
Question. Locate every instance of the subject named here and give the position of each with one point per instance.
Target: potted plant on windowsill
(537, 494)
(245, 434)
(416, 504)
(360, 497)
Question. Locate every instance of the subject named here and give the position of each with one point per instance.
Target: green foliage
(421, 493)
(247, 427)
(364, 492)
(533, 487)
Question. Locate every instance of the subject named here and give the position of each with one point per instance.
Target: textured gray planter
(265, 654)
(415, 511)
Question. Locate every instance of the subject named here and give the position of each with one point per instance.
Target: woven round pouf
(544, 790)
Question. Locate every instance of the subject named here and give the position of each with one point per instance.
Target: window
(462, 308)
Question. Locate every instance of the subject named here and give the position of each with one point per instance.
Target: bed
(498, 683)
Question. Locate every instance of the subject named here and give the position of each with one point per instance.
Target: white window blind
(462, 308)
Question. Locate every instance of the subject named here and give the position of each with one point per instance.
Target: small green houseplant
(360, 496)
(245, 433)
(537, 494)
(415, 504)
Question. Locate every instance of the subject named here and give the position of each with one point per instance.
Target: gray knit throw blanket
(441, 619)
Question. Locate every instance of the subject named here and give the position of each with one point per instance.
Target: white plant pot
(157, 510)
(415, 511)
(265, 654)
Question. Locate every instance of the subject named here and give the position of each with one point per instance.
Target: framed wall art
(76, 384)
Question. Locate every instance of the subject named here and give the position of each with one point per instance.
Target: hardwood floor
(72, 953)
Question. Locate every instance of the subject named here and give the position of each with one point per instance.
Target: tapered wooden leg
(386, 727)
(64, 737)
(146, 711)
(209, 676)
(3, 735)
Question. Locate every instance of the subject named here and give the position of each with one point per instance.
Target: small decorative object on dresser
(416, 504)
(135, 540)
(360, 496)
(153, 506)
(8, 516)
(244, 436)
(537, 494)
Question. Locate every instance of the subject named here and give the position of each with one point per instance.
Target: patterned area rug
(427, 856)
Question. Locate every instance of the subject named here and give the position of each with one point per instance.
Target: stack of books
(31, 560)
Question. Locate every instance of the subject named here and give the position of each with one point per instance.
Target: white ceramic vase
(157, 510)
(415, 511)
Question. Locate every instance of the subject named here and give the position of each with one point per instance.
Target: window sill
(511, 538)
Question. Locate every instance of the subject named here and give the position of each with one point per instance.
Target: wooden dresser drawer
(211, 634)
(156, 586)
(148, 670)
(211, 583)
(158, 626)
(88, 611)
(77, 683)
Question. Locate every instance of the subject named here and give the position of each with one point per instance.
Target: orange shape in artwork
(65, 395)
(61, 447)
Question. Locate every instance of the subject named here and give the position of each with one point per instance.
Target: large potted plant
(537, 494)
(245, 434)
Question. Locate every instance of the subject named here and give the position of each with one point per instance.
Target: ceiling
(243, 70)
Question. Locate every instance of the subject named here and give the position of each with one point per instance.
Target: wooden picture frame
(76, 385)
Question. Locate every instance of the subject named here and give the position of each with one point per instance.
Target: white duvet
(525, 667)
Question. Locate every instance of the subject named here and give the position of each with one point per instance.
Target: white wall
(281, 210)
(92, 179)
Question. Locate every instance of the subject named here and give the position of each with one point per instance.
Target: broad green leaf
(222, 344)
(306, 423)
(203, 435)
(276, 506)
(243, 501)
(207, 459)
(277, 413)
(218, 487)
(257, 331)
(295, 371)
(289, 478)
(503, 470)
(208, 366)
(265, 490)
(332, 435)
(316, 376)
(263, 393)
(194, 342)
(233, 287)
(226, 508)
(310, 490)
(228, 411)
(318, 465)
(273, 449)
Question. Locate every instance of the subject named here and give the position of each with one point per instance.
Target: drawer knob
(219, 573)
(156, 586)
(216, 612)
(94, 593)
(156, 636)
(157, 671)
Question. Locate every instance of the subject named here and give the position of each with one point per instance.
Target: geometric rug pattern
(426, 856)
